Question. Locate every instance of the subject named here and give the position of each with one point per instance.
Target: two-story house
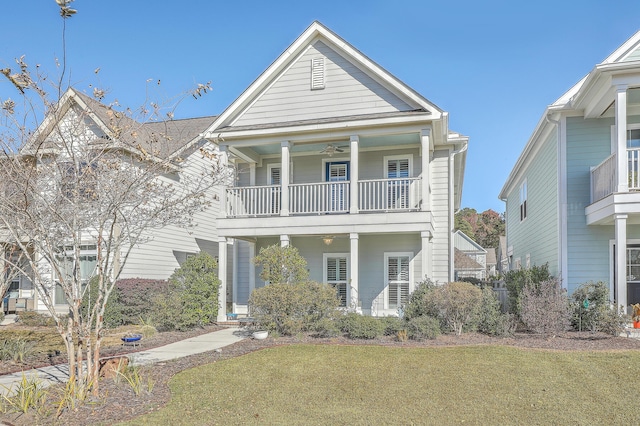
(80, 122)
(572, 198)
(337, 157)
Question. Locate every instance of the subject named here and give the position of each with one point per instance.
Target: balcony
(604, 176)
(374, 195)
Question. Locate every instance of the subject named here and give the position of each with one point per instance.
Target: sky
(494, 66)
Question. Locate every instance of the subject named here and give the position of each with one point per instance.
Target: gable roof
(463, 242)
(161, 139)
(319, 35)
(462, 261)
(624, 58)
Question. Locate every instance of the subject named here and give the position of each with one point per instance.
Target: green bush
(358, 326)
(490, 319)
(516, 281)
(599, 314)
(288, 309)
(16, 350)
(544, 308)
(136, 298)
(35, 319)
(423, 328)
(281, 265)
(457, 304)
(392, 325)
(421, 301)
(192, 296)
(113, 310)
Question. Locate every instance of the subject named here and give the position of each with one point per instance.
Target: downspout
(451, 208)
(562, 202)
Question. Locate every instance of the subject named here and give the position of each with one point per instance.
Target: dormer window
(317, 74)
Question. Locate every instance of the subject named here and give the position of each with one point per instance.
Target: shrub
(421, 301)
(36, 319)
(192, 296)
(358, 326)
(544, 308)
(136, 297)
(423, 327)
(291, 308)
(113, 310)
(392, 325)
(599, 314)
(16, 350)
(490, 319)
(516, 281)
(281, 265)
(457, 304)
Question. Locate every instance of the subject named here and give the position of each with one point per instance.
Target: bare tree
(91, 177)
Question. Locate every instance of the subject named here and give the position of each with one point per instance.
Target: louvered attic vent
(317, 74)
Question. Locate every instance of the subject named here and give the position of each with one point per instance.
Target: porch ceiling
(365, 142)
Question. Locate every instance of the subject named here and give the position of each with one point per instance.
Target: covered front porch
(373, 272)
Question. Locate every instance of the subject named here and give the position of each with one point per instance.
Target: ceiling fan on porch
(331, 149)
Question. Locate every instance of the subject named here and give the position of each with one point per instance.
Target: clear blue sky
(493, 65)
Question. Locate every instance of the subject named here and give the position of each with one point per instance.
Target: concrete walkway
(191, 346)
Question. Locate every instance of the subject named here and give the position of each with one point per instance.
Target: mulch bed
(117, 402)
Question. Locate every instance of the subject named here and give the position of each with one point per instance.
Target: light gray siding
(537, 234)
(440, 211)
(348, 91)
(633, 56)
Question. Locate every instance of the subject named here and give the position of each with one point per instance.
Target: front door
(338, 172)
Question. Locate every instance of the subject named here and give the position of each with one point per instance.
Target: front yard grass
(332, 384)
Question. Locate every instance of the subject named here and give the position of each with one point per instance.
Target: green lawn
(488, 385)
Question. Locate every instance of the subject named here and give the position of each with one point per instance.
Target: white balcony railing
(389, 194)
(604, 176)
(325, 197)
(603, 179)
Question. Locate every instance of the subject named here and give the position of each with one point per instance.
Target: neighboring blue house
(573, 197)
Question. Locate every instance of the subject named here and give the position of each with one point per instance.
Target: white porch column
(354, 269)
(222, 276)
(224, 158)
(354, 174)
(621, 136)
(425, 136)
(284, 178)
(427, 271)
(621, 260)
(284, 241)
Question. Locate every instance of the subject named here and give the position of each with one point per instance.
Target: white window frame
(387, 158)
(325, 275)
(528, 261)
(523, 194)
(517, 264)
(86, 250)
(388, 255)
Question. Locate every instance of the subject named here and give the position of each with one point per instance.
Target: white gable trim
(314, 32)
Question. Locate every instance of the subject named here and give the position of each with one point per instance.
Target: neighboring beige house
(491, 262)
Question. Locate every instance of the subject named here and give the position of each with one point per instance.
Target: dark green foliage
(515, 282)
(358, 326)
(113, 309)
(35, 319)
(192, 296)
(490, 320)
(291, 308)
(392, 325)
(281, 265)
(421, 301)
(136, 298)
(423, 328)
(599, 315)
(544, 308)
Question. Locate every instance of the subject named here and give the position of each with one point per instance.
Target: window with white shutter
(397, 279)
(336, 274)
(398, 168)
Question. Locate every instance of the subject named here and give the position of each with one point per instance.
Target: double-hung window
(84, 265)
(335, 271)
(523, 200)
(398, 277)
